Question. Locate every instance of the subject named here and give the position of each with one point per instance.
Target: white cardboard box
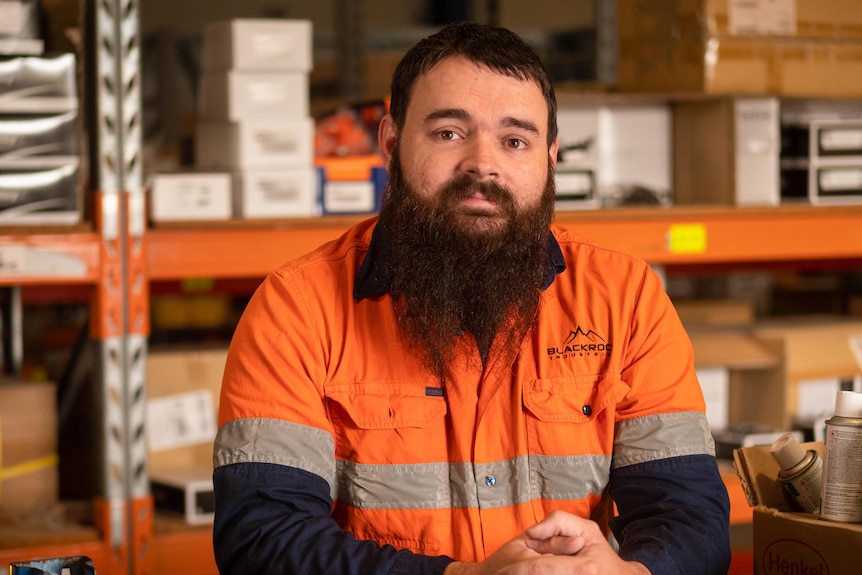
(191, 196)
(757, 128)
(257, 45)
(277, 193)
(234, 95)
(615, 147)
(277, 143)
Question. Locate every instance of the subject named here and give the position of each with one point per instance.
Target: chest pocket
(577, 399)
(387, 405)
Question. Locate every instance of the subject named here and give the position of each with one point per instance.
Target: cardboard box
(276, 143)
(290, 193)
(669, 45)
(770, 363)
(258, 45)
(704, 312)
(821, 151)
(727, 151)
(233, 95)
(352, 196)
(601, 163)
(728, 363)
(836, 19)
(29, 483)
(177, 382)
(787, 541)
(191, 196)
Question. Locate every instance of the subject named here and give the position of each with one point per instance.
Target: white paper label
(762, 17)
(841, 139)
(181, 419)
(841, 179)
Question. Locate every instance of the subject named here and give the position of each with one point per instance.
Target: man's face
(468, 123)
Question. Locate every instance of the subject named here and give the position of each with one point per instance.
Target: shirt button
(587, 410)
(490, 480)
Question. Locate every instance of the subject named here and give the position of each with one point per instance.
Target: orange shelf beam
(55, 258)
(723, 234)
(673, 236)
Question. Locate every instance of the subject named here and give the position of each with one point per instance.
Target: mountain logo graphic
(589, 334)
(581, 343)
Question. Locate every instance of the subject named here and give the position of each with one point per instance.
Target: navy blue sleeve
(275, 519)
(674, 515)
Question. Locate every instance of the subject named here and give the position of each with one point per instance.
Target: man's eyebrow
(448, 114)
(460, 114)
(527, 125)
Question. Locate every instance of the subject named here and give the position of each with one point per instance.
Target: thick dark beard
(451, 272)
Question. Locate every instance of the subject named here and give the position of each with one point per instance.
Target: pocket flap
(572, 399)
(386, 405)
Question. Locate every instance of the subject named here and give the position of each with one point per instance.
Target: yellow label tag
(686, 238)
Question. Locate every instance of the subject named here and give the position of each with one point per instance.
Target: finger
(557, 545)
(559, 523)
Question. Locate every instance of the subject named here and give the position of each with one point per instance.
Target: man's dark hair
(499, 49)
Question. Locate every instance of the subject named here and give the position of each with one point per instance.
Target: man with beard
(459, 386)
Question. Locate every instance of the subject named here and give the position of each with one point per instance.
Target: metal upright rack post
(120, 319)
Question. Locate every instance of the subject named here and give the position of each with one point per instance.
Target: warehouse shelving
(117, 258)
(108, 256)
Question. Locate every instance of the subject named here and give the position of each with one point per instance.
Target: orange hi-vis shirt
(319, 380)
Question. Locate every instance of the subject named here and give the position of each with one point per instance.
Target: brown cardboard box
(835, 19)
(727, 151)
(28, 448)
(810, 348)
(178, 377)
(687, 46)
(785, 541)
(767, 362)
(714, 312)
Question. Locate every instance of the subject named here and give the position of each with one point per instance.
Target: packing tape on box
(25, 467)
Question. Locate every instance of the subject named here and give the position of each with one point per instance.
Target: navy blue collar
(372, 277)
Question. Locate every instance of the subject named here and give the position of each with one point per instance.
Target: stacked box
(726, 151)
(39, 140)
(601, 164)
(29, 484)
(20, 31)
(254, 115)
(764, 47)
(821, 151)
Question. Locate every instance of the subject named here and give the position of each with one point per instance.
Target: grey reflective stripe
(660, 436)
(260, 440)
(480, 485)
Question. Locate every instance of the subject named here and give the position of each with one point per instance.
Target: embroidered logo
(581, 343)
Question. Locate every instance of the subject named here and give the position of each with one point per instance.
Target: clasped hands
(561, 543)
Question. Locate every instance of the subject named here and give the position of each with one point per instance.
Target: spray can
(801, 471)
(842, 466)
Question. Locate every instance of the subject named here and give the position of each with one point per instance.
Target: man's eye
(447, 135)
(516, 143)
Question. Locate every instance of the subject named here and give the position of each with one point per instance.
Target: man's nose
(481, 157)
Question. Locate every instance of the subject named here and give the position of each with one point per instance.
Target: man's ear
(553, 152)
(387, 133)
